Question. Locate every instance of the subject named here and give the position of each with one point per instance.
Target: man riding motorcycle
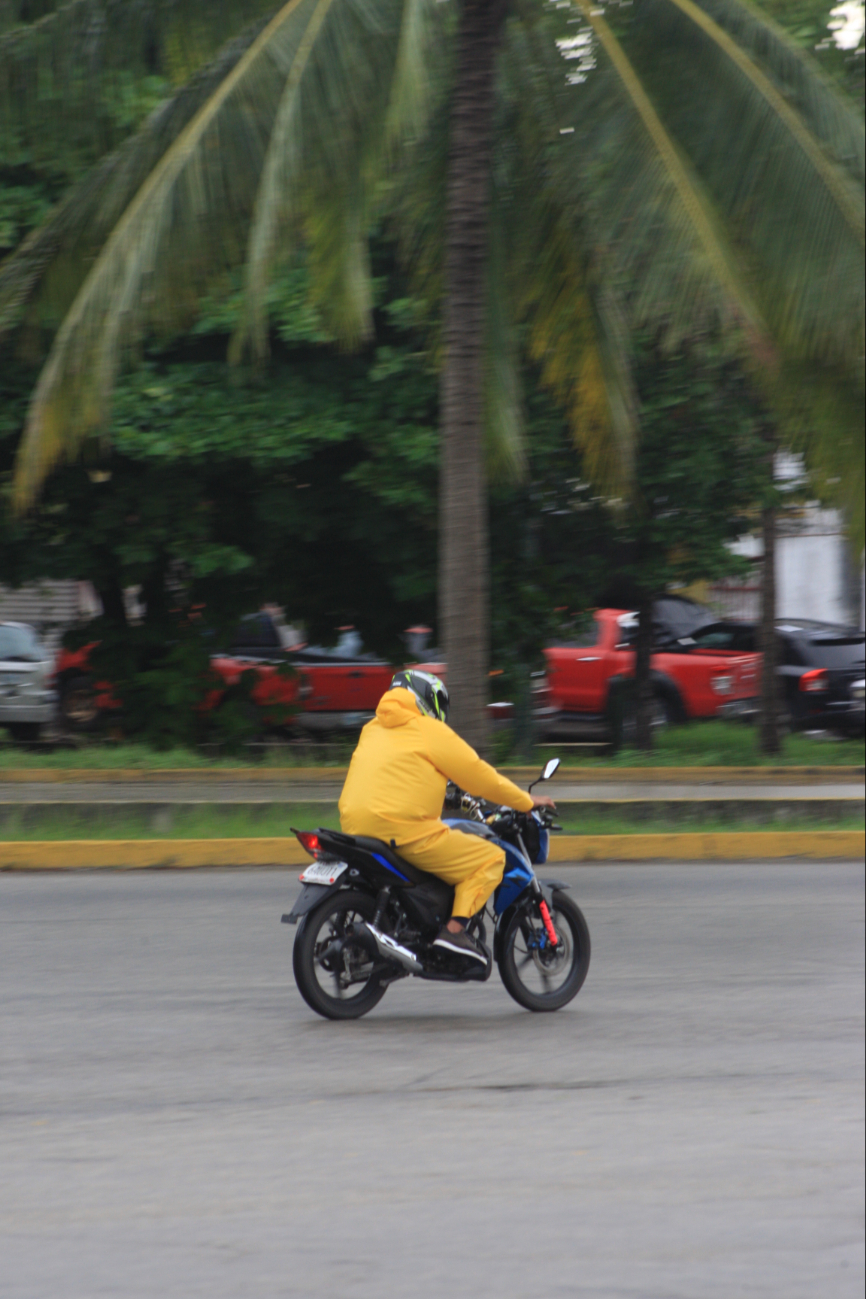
(395, 789)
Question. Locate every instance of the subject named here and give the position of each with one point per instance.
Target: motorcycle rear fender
(309, 895)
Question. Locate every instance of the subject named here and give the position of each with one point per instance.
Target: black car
(821, 668)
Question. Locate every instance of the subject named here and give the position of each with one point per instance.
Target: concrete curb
(310, 775)
(183, 854)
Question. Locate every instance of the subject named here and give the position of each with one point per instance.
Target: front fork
(544, 911)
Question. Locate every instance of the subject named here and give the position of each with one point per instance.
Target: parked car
(28, 699)
(335, 689)
(821, 668)
(587, 684)
(330, 689)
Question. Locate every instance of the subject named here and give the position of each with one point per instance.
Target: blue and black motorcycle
(368, 918)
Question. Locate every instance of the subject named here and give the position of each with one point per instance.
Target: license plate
(322, 872)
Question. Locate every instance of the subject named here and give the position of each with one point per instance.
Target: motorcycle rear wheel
(329, 968)
(540, 978)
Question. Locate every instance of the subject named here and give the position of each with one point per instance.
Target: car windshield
(836, 651)
(584, 638)
(723, 636)
(674, 616)
(19, 644)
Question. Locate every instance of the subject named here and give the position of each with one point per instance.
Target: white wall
(815, 574)
(811, 577)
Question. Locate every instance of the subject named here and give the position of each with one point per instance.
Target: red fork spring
(548, 923)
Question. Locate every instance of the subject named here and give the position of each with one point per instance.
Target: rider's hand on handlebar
(542, 800)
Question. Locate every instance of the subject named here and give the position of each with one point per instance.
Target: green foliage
(700, 469)
(299, 486)
(806, 22)
(315, 485)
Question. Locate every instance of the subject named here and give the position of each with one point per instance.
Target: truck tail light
(723, 685)
(814, 682)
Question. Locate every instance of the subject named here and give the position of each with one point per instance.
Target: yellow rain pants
(396, 786)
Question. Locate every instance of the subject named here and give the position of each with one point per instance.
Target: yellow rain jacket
(396, 786)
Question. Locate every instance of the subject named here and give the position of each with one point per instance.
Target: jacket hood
(397, 707)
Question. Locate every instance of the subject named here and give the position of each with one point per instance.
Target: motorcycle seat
(344, 844)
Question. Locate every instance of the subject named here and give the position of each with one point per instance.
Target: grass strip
(698, 744)
(227, 822)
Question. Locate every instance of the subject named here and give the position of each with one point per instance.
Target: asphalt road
(176, 1123)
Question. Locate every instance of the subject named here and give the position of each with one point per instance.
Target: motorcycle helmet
(428, 690)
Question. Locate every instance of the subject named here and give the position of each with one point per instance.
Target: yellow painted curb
(731, 845)
(140, 854)
(180, 854)
(308, 775)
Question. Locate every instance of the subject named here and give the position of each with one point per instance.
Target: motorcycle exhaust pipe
(389, 948)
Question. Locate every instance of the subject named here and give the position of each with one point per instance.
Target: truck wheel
(78, 708)
(663, 713)
(25, 732)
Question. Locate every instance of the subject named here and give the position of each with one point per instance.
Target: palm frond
(278, 180)
(667, 179)
(795, 212)
(190, 219)
(422, 46)
(503, 399)
(830, 118)
(324, 161)
(196, 200)
(72, 83)
(581, 351)
(848, 201)
(574, 331)
(51, 264)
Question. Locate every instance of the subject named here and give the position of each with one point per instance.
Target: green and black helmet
(428, 690)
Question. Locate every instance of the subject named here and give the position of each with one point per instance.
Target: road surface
(175, 1122)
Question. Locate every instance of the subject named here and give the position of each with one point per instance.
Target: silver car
(27, 696)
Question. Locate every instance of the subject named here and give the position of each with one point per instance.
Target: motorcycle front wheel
(334, 974)
(540, 977)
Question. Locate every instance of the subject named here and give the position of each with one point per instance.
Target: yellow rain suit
(396, 786)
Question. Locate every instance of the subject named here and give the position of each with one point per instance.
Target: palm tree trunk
(643, 683)
(464, 586)
(767, 642)
(769, 645)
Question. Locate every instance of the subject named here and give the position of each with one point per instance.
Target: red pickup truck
(332, 689)
(584, 677)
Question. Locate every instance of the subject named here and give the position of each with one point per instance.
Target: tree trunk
(464, 586)
(767, 640)
(113, 604)
(643, 684)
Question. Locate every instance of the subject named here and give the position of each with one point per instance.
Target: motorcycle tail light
(812, 683)
(723, 685)
(308, 841)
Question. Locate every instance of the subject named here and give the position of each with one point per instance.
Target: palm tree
(683, 166)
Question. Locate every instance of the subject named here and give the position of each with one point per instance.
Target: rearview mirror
(549, 768)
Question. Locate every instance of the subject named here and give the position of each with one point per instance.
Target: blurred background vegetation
(313, 482)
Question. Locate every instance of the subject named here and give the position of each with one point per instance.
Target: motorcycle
(368, 918)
